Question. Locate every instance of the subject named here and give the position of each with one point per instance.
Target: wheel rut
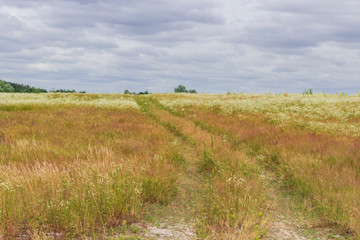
(282, 223)
(179, 219)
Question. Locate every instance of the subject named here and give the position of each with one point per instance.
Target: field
(179, 166)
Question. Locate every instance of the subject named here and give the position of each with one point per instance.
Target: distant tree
(308, 92)
(180, 89)
(15, 87)
(6, 87)
(142, 93)
(65, 91)
(126, 92)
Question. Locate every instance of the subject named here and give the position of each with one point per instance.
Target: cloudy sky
(208, 45)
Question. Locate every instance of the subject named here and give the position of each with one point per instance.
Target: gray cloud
(213, 46)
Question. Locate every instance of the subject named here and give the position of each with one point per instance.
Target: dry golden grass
(77, 165)
(234, 203)
(66, 169)
(321, 113)
(319, 169)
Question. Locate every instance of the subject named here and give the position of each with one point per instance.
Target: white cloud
(46, 67)
(212, 46)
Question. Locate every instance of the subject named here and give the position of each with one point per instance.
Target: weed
(208, 164)
(308, 91)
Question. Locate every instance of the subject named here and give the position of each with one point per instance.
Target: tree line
(178, 89)
(21, 88)
(15, 87)
(182, 89)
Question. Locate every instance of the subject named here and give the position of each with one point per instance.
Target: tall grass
(326, 114)
(28, 101)
(77, 165)
(234, 204)
(77, 171)
(319, 170)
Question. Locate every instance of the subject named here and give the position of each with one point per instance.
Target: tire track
(218, 164)
(281, 222)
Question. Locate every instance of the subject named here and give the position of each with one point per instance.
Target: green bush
(182, 89)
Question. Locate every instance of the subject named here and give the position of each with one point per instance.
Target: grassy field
(226, 166)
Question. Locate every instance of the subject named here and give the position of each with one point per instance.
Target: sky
(213, 46)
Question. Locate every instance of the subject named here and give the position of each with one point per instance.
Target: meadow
(220, 166)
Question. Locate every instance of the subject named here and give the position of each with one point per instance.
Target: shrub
(308, 91)
(182, 89)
